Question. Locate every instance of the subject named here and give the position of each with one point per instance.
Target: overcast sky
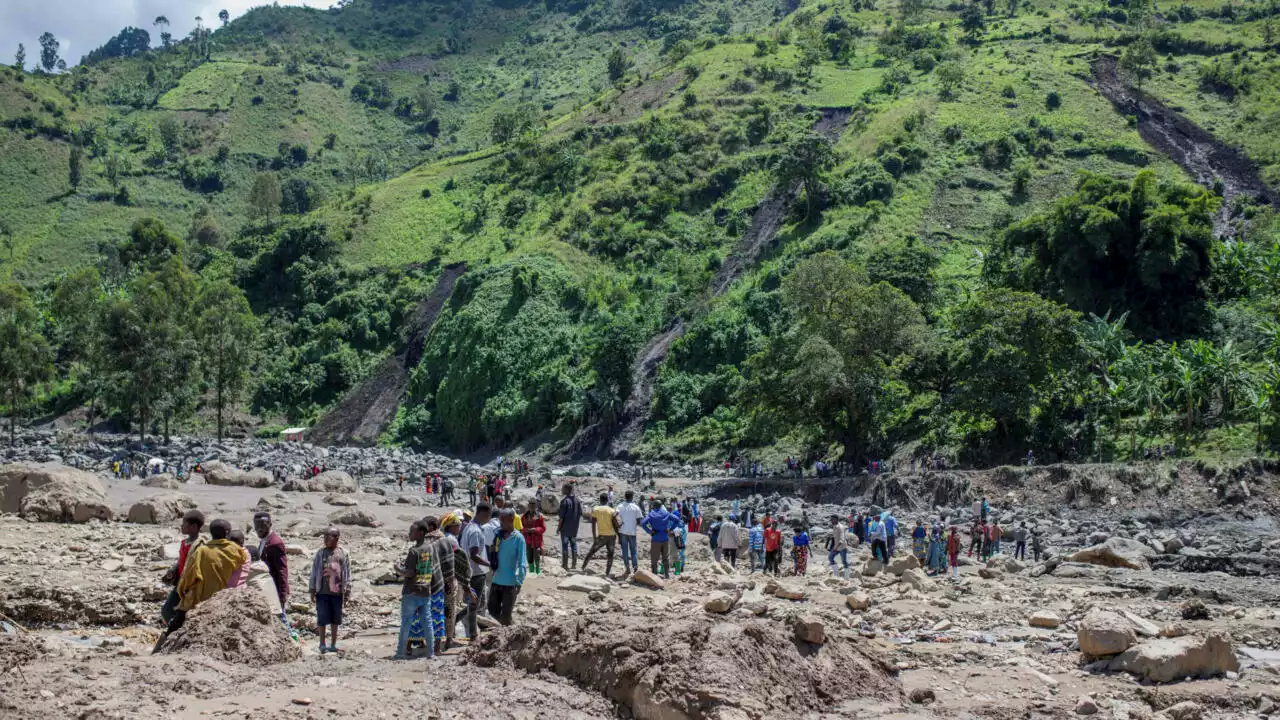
(82, 25)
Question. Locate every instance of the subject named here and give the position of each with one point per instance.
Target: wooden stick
(14, 622)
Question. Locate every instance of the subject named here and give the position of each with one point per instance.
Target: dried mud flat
(915, 646)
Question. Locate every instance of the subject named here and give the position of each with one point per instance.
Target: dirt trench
(693, 666)
(368, 409)
(1196, 150)
(765, 224)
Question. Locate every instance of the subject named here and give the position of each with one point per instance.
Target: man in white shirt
(839, 545)
(729, 540)
(629, 517)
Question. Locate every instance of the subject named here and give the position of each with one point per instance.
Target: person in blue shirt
(800, 547)
(890, 531)
(659, 523)
(918, 541)
(755, 543)
(513, 565)
(877, 535)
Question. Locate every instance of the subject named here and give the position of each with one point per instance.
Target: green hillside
(976, 251)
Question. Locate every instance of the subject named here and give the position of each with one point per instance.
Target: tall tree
(49, 51)
(805, 161)
(1016, 350)
(20, 58)
(224, 16)
(617, 64)
(75, 165)
(839, 366)
(265, 196)
(162, 22)
(152, 345)
(1138, 59)
(77, 308)
(227, 332)
(150, 245)
(25, 356)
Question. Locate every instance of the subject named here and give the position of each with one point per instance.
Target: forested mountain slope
(988, 258)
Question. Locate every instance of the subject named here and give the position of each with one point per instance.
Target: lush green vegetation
(987, 259)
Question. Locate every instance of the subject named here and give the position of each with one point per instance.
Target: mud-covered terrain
(1166, 570)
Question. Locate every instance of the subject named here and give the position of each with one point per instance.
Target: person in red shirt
(953, 552)
(772, 548)
(534, 528)
(192, 523)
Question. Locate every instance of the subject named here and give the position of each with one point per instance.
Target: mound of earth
(694, 667)
(236, 626)
(17, 650)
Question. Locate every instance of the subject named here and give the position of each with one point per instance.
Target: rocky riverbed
(1158, 598)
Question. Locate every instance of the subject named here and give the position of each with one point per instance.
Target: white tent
(292, 434)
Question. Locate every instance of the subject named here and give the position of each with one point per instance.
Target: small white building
(292, 434)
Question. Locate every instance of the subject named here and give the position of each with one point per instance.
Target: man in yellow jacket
(207, 571)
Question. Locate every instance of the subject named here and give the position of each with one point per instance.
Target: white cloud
(82, 25)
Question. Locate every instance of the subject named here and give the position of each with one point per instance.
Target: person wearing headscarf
(918, 541)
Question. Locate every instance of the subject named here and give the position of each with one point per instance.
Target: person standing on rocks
(838, 544)
(271, 551)
(730, 540)
(659, 523)
(208, 570)
(441, 581)
(569, 517)
(755, 546)
(458, 590)
(192, 523)
(329, 586)
(1037, 545)
(800, 547)
(629, 517)
(879, 540)
(997, 534)
(773, 549)
(473, 544)
(953, 552)
(604, 534)
(713, 532)
(1020, 541)
(890, 533)
(919, 542)
(472, 485)
(976, 533)
(512, 568)
(937, 562)
(415, 594)
(534, 528)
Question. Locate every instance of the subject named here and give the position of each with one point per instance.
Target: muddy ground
(89, 595)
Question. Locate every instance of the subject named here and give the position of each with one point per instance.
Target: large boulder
(585, 583)
(329, 481)
(550, 502)
(899, 565)
(809, 628)
(354, 516)
(50, 492)
(164, 481)
(159, 509)
(1102, 633)
(217, 472)
(720, 602)
(1116, 552)
(917, 579)
(1045, 619)
(340, 500)
(1169, 659)
(18, 480)
(648, 579)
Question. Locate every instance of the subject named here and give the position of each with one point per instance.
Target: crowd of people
(463, 564)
